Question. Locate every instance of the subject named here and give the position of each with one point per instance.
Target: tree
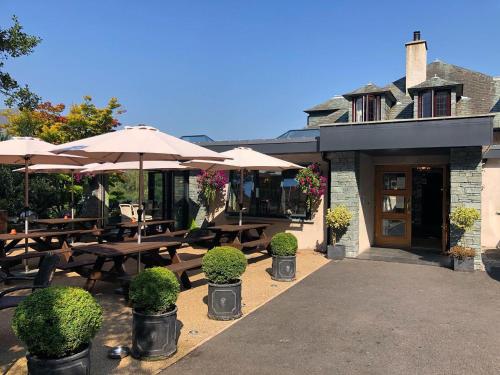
(15, 43)
(48, 122)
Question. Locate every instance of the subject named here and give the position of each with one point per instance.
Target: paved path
(364, 317)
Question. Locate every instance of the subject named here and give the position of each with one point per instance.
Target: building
(401, 156)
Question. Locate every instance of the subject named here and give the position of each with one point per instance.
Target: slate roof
(480, 94)
(332, 104)
(369, 88)
(435, 82)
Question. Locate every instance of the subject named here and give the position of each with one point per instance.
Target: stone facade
(465, 190)
(345, 190)
(197, 210)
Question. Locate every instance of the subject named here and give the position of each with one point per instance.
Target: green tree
(14, 42)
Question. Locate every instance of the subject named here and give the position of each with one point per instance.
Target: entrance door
(393, 206)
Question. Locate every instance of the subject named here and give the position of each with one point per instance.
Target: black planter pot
(284, 268)
(154, 336)
(76, 364)
(224, 301)
(463, 265)
(335, 252)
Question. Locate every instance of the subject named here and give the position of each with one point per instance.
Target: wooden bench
(255, 245)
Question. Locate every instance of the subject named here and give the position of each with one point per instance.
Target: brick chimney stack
(416, 61)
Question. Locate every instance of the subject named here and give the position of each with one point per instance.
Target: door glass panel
(394, 181)
(393, 203)
(393, 228)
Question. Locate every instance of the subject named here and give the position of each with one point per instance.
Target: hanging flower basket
(312, 184)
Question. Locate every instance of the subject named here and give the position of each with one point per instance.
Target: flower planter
(335, 252)
(284, 268)
(154, 336)
(76, 364)
(224, 301)
(463, 264)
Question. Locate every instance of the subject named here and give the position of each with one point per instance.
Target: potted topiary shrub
(223, 267)
(463, 218)
(337, 219)
(283, 251)
(57, 325)
(153, 293)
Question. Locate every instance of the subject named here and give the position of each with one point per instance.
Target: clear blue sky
(237, 69)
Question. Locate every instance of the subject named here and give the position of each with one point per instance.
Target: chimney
(416, 61)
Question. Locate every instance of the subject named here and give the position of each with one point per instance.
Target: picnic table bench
(62, 223)
(239, 236)
(155, 226)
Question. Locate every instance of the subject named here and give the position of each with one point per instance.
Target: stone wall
(465, 190)
(197, 210)
(345, 190)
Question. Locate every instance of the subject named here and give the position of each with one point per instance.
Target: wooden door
(393, 191)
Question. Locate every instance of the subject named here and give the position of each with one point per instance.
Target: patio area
(196, 327)
(359, 317)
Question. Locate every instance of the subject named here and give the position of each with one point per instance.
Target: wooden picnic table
(63, 223)
(131, 226)
(239, 236)
(117, 252)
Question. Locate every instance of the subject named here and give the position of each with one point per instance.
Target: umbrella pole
(242, 179)
(26, 209)
(140, 210)
(72, 195)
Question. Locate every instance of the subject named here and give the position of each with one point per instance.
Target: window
(366, 108)
(434, 103)
(267, 194)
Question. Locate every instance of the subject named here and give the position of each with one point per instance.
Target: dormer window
(434, 103)
(366, 108)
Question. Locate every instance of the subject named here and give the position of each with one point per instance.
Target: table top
(44, 233)
(112, 249)
(61, 220)
(133, 224)
(238, 228)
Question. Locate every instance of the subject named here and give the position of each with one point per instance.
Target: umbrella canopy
(127, 144)
(28, 150)
(243, 158)
(137, 143)
(130, 165)
(52, 168)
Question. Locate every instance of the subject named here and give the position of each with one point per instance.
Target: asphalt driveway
(364, 317)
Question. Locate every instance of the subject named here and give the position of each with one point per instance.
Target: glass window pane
(442, 99)
(393, 228)
(359, 109)
(394, 181)
(426, 102)
(393, 203)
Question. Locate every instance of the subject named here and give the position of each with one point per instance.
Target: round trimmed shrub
(284, 244)
(224, 265)
(57, 321)
(154, 291)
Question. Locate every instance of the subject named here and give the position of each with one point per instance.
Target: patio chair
(135, 207)
(42, 280)
(126, 211)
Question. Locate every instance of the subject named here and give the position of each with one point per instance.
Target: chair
(42, 280)
(135, 207)
(126, 211)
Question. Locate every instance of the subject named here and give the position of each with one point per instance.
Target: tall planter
(283, 268)
(154, 336)
(224, 301)
(463, 264)
(76, 364)
(335, 252)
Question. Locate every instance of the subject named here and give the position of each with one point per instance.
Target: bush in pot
(283, 250)
(338, 220)
(463, 218)
(57, 325)
(153, 294)
(223, 267)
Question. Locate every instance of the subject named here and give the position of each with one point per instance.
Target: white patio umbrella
(242, 159)
(130, 166)
(57, 168)
(28, 150)
(137, 143)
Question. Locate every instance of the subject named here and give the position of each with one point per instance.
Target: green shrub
(338, 219)
(284, 244)
(464, 217)
(154, 291)
(57, 321)
(224, 265)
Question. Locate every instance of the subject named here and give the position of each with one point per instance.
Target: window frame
(365, 108)
(433, 93)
